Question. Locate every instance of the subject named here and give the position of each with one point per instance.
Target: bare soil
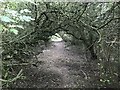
(59, 67)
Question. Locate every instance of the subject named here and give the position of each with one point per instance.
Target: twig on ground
(84, 74)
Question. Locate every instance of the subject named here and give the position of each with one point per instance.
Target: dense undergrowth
(24, 26)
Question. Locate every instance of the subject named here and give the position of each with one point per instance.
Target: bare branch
(82, 12)
(102, 26)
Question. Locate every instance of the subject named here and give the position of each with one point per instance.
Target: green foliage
(14, 31)
(26, 18)
(1, 27)
(6, 19)
(13, 50)
(94, 25)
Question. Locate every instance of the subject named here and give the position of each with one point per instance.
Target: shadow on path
(61, 68)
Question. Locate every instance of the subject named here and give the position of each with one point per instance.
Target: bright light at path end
(56, 37)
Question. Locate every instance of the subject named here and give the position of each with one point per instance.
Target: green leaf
(1, 27)
(25, 10)
(1, 0)
(6, 19)
(18, 26)
(12, 12)
(14, 31)
(25, 18)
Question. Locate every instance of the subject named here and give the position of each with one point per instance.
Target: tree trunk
(92, 52)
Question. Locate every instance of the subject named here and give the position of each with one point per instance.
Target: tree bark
(92, 52)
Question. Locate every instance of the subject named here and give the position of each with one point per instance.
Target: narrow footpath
(61, 68)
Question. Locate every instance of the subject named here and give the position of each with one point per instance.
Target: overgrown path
(57, 60)
(61, 68)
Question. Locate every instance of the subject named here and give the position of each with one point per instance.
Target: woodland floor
(61, 67)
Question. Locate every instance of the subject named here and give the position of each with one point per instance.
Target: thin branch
(94, 29)
(102, 26)
(36, 11)
(84, 74)
(82, 12)
(13, 79)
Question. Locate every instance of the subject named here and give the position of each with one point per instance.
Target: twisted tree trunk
(92, 52)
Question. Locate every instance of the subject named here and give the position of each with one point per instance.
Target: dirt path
(55, 58)
(58, 60)
(61, 68)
